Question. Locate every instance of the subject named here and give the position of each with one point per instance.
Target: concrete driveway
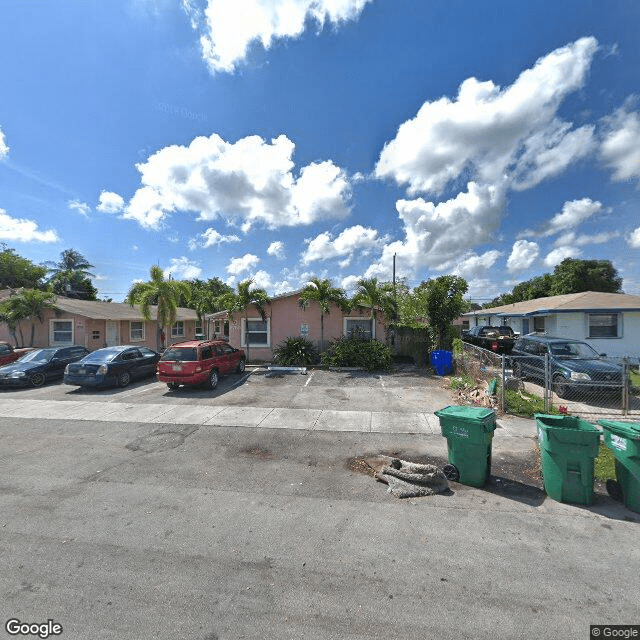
(243, 513)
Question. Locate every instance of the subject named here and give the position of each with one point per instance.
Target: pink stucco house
(99, 324)
(284, 319)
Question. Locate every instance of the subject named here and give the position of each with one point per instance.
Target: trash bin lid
(475, 415)
(630, 430)
(549, 421)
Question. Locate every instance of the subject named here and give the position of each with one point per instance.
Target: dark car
(199, 362)
(574, 365)
(112, 366)
(39, 366)
(498, 339)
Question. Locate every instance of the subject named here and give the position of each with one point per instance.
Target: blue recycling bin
(442, 362)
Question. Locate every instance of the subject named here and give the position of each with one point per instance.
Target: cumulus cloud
(634, 239)
(573, 213)
(110, 202)
(182, 269)
(210, 238)
(230, 28)
(493, 131)
(276, 249)
(474, 265)
(523, 255)
(244, 182)
(352, 239)
(23, 230)
(620, 150)
(440, 235)
(556, 256)
(239, 265)
(4, 149)
(582, 240)
(81, 207)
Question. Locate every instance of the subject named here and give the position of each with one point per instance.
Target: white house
(609, 322)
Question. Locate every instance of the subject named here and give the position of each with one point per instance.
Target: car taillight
(494, 345)
(102, 370)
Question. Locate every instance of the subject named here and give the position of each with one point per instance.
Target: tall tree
(325, 294)
(70, 276)
(17, 272)
(240, 301)
(444, 303)
(28, 304)
(168, 295)
(576, 276)
(375, 295)
(205, 295)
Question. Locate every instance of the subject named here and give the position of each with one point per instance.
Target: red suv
(199, 362)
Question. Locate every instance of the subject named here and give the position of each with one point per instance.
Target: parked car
(199, 362)
(8, 354)
(112, 366)
(574, 365)
(498, 339)
(39, 366)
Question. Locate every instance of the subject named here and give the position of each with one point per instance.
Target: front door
(112, 333)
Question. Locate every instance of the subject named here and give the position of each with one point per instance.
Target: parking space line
(309, 378)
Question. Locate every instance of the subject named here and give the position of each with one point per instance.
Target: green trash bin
(568, 447)
(623, 438)
(469, 434)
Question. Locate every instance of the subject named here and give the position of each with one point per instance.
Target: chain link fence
(594, 395)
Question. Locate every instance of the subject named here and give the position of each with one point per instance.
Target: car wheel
(173, 386)
(124, 379)
(212, 383)
(37, 379)
(241, 365)
(560, 386)
(451, 472)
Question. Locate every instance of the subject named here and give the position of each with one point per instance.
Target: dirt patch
(258, 452)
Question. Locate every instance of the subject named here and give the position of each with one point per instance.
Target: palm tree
(166, 294)
(325, 294)
(72, 261)
(241, 301)
(375, 295)
(70, 276)
(29, 304)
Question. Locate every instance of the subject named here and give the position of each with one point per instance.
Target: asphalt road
(207, 530)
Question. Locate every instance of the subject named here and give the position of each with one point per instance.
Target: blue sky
(281, 140)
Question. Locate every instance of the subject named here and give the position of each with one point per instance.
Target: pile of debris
(483, 395)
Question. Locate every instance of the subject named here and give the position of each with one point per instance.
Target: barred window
(136, 330)
(256, 333)
(603, 325)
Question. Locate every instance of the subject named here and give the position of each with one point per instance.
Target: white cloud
(482, 290)
(620, 150)
(494, 132)
(523, 255)
(556, 256)
(239, 265)
(245, 182)
(276, 249)
(182, 269)
(582, 240)
(356, 238)
(438, 235)
(475, 265)
(232, 27)
(262, 280)
(4, 149)
(110, 202)
(350, 283)
(210, 238)
(634, 239)
(81, 207)
(23, 230)
(573, 213)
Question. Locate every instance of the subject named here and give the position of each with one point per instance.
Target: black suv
(574, 365)
(498, 339)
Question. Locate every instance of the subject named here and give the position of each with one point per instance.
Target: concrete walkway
(242, 416)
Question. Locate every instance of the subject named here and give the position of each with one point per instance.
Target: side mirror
(603, 355)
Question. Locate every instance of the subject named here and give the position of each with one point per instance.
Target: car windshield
(579, 350)
(188, 354)
(100, 356)
(39, 355)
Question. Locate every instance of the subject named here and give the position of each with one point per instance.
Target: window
(603, 325)
(178, 329)
(207, 353)
(538, 323)
(255, 333)
(61, 332)
(136, 330)
(4, 348)
(95, 335)
(359, 327)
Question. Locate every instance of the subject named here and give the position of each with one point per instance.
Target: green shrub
(525, 404)
(352, 352)
(295, 352)
(605, 464)
(463, 381)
